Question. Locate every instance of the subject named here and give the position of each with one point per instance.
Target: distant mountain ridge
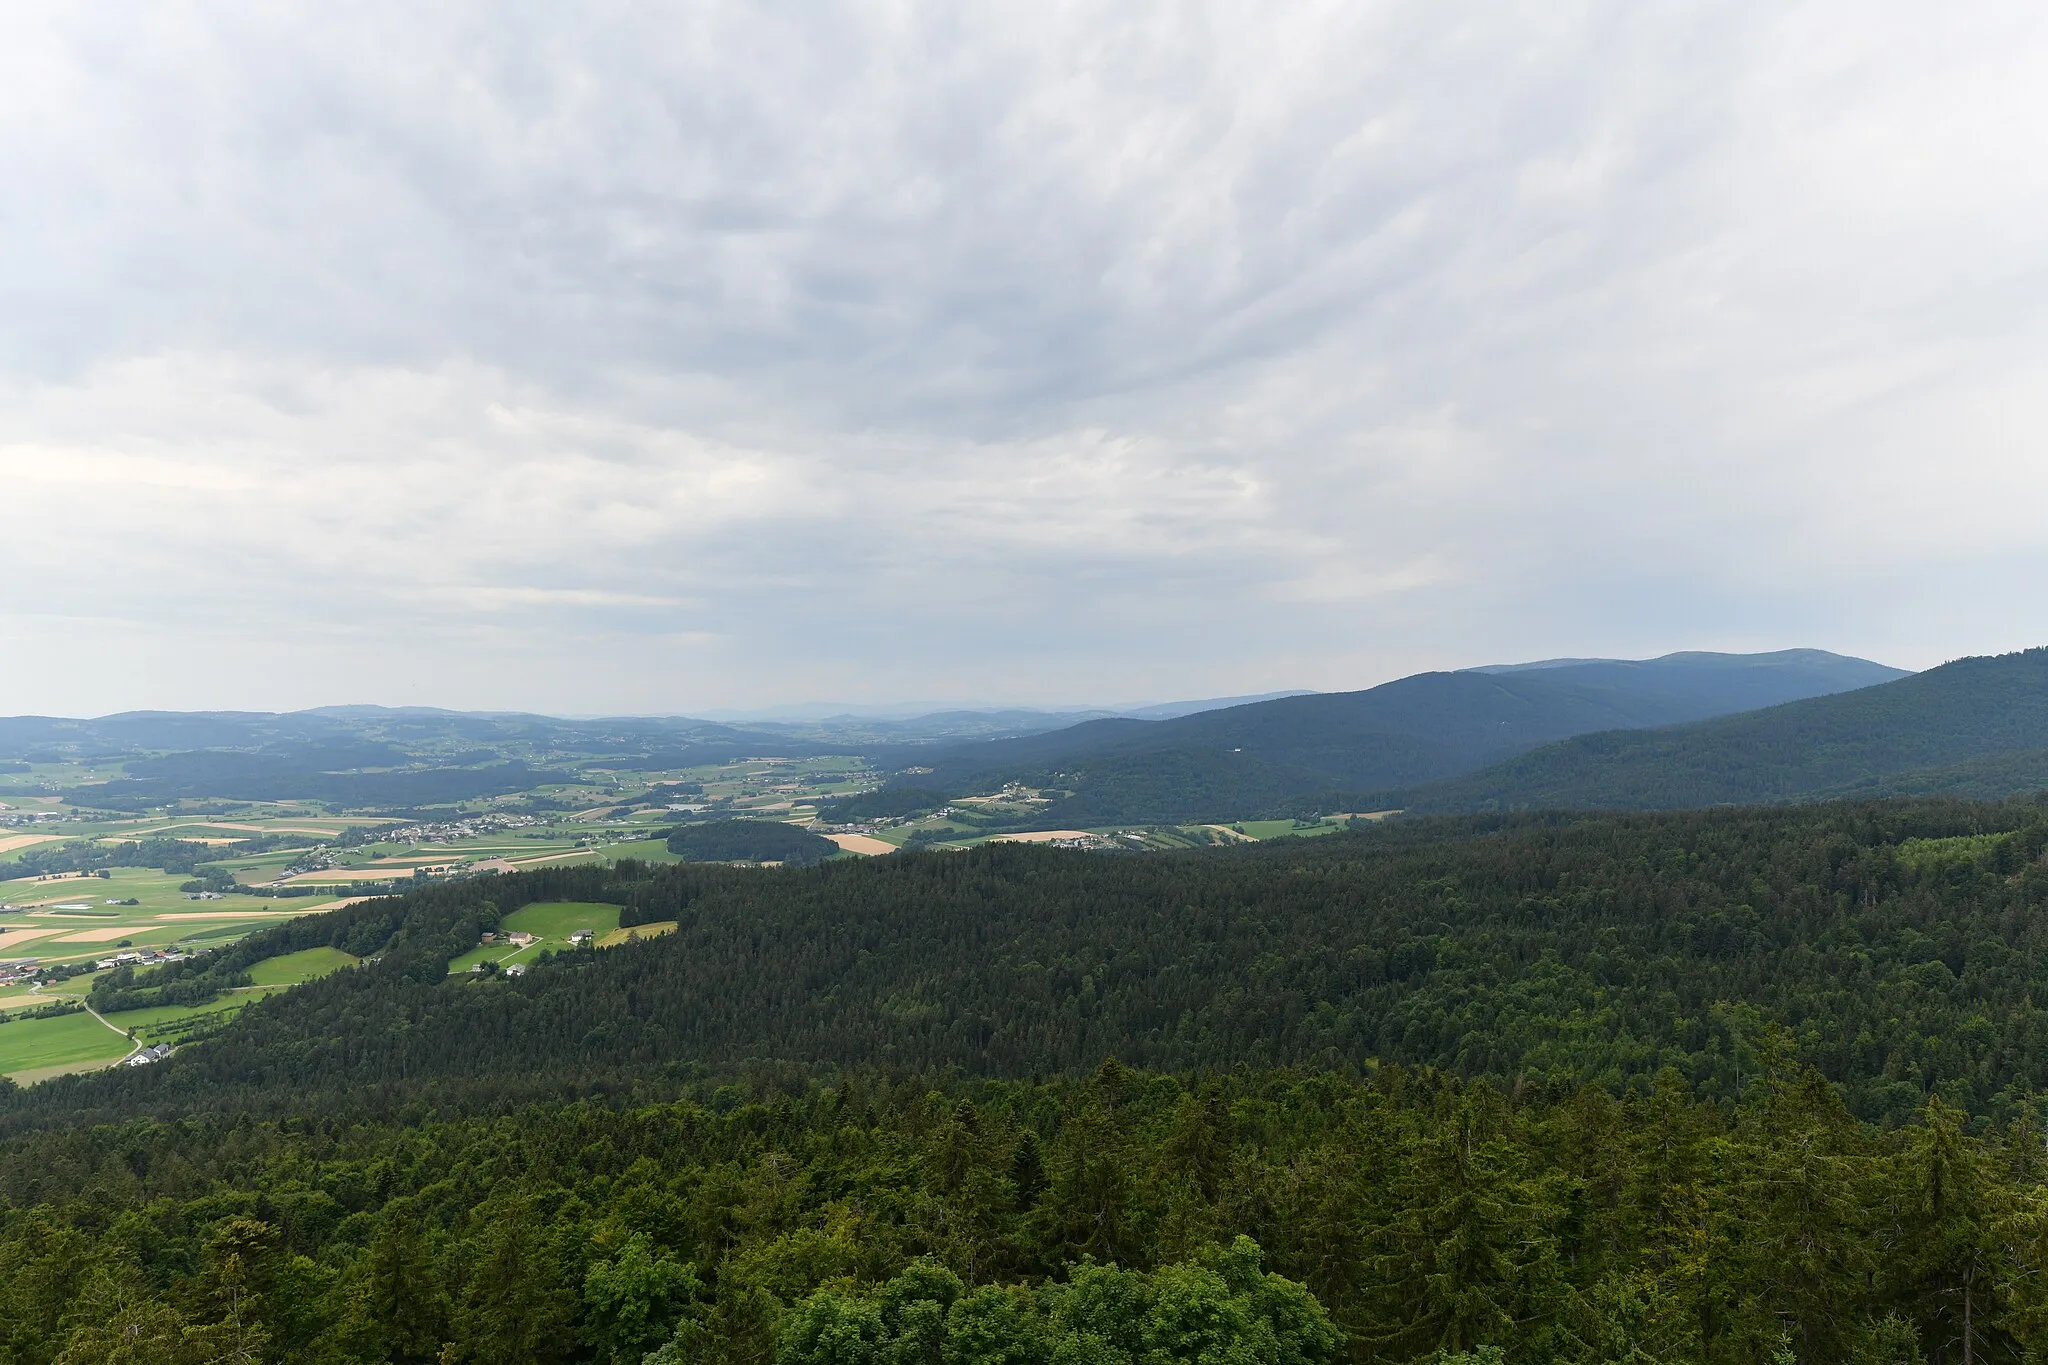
(1973, 727)
(1236, 761)
(852, 731)
(1684, 729)
(1710, 684)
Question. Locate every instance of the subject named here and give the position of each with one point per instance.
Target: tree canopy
(753, 841)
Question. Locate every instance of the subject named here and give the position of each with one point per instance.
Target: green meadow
(550, 922)
(31, 1049)
(306, 965)
(40, 1044)
(559, 919)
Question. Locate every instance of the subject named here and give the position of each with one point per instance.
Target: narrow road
(134, 1044)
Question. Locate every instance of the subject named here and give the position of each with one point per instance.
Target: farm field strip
(11, 842)
(345, 874)
(161, 916)
(230, 825)
(14, 935)
(48, 905)
(865, 844)
(230, 914)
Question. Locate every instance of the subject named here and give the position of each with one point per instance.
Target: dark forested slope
(1901, 946)
(1976, 726)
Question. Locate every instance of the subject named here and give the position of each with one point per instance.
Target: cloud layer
(626, 357)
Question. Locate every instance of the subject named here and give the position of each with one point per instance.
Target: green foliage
(632, 1301)
(883, 803)
(1221, 1307)
(1291, 1217)
(195, 981)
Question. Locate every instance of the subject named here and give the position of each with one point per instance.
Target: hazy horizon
(801, 712)
(665, 362)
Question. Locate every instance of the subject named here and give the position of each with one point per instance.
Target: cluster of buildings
(148, 1055)
(139, 957)
(453, 830)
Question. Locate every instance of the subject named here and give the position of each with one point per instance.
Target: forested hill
(1976, 727)
(1240, 760)
(1899, 946)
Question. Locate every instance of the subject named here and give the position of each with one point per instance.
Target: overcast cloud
(656, 358)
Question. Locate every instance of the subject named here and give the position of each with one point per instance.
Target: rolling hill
(1232, 762)
(1592, 946)
(1974, 727)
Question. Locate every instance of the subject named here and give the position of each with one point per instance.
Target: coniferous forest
(1743, 1085)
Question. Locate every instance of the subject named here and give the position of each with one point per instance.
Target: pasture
(306, 965)
(68, 1041)
(557, 920)
(550, 923)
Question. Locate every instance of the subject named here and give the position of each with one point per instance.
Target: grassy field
(161, 917)
(647, 850)
(550, 923)
(305, 965)
(40, 1044)
(559, 919)
(32, 1048)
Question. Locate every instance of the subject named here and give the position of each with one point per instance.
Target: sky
(657, 358)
